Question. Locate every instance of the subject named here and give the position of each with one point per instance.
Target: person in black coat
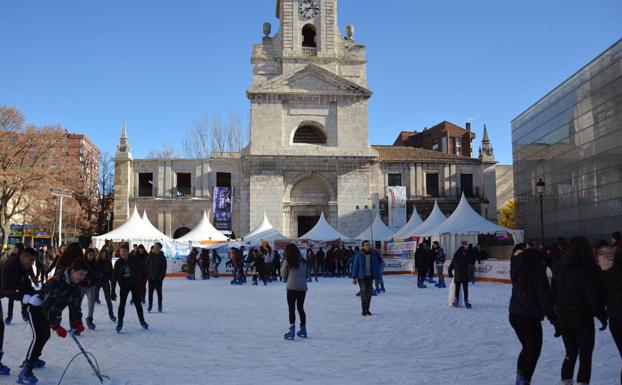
(531, 301)
(421, 265)
(125, 274)
(579, 297)
(15, 284)
(103, 268)
(156, 272)
(610, 261)
(458, 270)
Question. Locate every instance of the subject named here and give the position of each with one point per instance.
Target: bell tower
(309, 27)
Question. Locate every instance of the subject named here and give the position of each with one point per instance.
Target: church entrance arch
(306, 199)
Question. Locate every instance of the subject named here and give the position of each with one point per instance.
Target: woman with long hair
(579, 297)
(141, 269)
(103, 268)
(88, 286)
(531, 301)
(294, 271)
(610, 261)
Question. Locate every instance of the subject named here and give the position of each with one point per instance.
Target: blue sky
(160, 65)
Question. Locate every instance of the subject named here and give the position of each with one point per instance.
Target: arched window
(308, 34)
(309, 134)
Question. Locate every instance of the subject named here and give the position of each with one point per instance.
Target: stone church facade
(309, 150)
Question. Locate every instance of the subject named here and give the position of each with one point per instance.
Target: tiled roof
(401, 153)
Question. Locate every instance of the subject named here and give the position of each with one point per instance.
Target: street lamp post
(60, 194)
(485, 205)
(540, 188)
(107, 221)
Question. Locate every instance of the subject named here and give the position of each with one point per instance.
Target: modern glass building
(572, 139)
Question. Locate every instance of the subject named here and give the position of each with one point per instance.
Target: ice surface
(215, 333)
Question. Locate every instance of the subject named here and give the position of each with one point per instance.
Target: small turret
(486, 152)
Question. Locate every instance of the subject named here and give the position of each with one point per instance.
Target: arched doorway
(307, 198)
(180, 232)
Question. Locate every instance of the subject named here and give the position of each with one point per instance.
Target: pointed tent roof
(265, 231)
(414, 222)
(380, 231)
(435, 218)
(323, 231)
(135, 228)
(204, 231)
(150, 226)
(464, 220)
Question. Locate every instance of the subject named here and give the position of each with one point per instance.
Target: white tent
(435, 218)
(323, 231)
(464, 225)
(264, 232)
(464, 220)
(204, 233)
(377, 231)
(150, 226)
(406, 230)
(134, 230)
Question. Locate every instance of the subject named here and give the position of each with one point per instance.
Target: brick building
(444, 137)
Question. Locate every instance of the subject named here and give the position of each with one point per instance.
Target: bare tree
(196, 144)
(208, 136)
(166, 151)
(24, 166)
(105, 193)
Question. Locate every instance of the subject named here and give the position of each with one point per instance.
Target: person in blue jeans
(380, 280)
(366, 268)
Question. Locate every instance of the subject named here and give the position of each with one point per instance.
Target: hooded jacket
(578, 287)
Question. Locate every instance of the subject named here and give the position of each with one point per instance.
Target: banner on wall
(222, 208)
(397, 207)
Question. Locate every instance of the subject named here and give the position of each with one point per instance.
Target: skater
(277, 264)
(268, 257)
(156, 271)
(125, 274)
(295, 271)
(204, 260)
(421, 257)
(319, 257)
(311, 263)
(458, 270)
(191, 264)
(473, 256)
(141, 270)
(237, 264)
(431, 257)
(579, 297)
(259, 265)
(46, 309)
(365, 268)
(439, 260)
(104, 275)
(531, 300)
(610, 261)
(43, 261)
(14, 284)
(88, 286)
(379, 282)
(216, 260)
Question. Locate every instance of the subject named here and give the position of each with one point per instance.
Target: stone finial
(267, 29)
(350, 31)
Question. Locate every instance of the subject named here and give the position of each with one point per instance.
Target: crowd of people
(570, 283)
(48, 282)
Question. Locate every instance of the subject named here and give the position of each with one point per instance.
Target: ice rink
(213, 333)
